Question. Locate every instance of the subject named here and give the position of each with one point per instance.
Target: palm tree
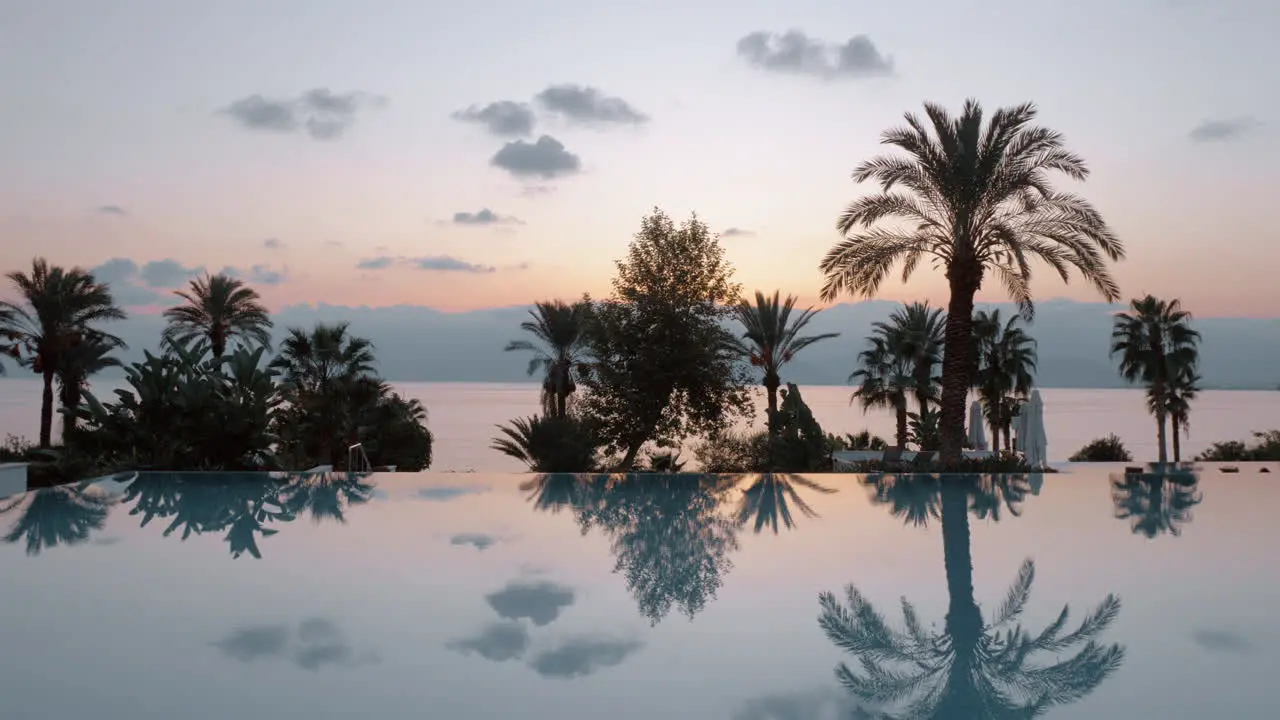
(325, 373)
(976, 201)
(219, 308)
(971, 669)
(1156, 504)
(885, 379)
(81, 361)
(560, 332)
(1156, 346)
(916, 332)
(1182, 390)
(772, 337)
(65, 515)
(1006, 363)
(59, 311)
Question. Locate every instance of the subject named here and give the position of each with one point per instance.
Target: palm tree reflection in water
(1156, 504)
(244, 506)
(63, 515)
(769, 499)
(671, 542)
(971, 670)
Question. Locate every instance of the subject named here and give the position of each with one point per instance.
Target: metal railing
(355, 452)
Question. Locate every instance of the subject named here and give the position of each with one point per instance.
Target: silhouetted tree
(63, 515)
(218, 308)
(770, 496)
(1156, 504)
(771, 337)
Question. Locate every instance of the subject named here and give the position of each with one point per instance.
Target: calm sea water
(463, 416)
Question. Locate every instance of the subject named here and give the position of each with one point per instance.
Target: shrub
(797, 443)
(1265, 448)
(665, 461)
(1104, 449)
(731, 452)
(863, 440)
(549, 444)
(924, 429)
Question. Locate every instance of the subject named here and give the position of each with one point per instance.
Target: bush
(863, 440)
(549, 444)
(728, 453)
(1104, 449)
(797, 443)
(1265, 448)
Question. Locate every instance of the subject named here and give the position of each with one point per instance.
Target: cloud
(322, 114)
(589, 105)
(545, 159)
(167, 273)
(443, 494)
(478, 540)
(504, 118)
(737, 232)
(314, 643)
(115, 270)
(258, 274)
(272, 244)
(1223, 641)
(818, 704)
(541, 602)
(795, 53)
(112, 210)
(499, 642)
(376, 263)
(484, 217)
(583, 656)
(129, 295)
(445, 263)
(1222, 130)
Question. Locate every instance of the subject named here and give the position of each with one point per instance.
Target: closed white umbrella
(1036, 446)
(977, 433)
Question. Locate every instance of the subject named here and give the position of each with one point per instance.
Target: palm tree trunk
(962, 613)
(957, 365)
(46, 409)
(922, 386)
(1177, 440)
(217, 342)
(771, 383)
(69, 405)
(1160, 437)
(902, 424)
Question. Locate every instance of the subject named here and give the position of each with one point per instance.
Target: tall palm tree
(1182, 390)
(885, 380)
(972, 668)
(219, 308)
(89, 357)
(1006, 364)
(916, 332)
(60, 308)
(769, 498)
(771, 337)
(975, 202)
(559, 331)
(1156, 345)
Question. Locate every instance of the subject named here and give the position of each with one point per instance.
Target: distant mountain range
(417, 343)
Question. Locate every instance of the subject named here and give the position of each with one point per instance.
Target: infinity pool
(208, 597)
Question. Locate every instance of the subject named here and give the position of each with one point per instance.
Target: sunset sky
(493, 153)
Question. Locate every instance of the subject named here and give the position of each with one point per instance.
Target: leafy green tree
(885, 379)
(556, 444)
(59, 310)
(1157, 347)
(559, 332)
(392, 428)
(1006, 362)
(771, 337)
(972, 668)
(975, 201)
(218, 308)
(662, 367)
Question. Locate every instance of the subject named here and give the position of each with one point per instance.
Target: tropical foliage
(1006, 365)
(1158, 503)
(1264, 448)
(59, 311)
(885, 380)
(1157, 348)
(975, 201)
(771, 337)
(1104, 449)
(549, 444)
(218, 308)
(558, 347)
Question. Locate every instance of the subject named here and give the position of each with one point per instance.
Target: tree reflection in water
(1158, 503)
(64, 515)
(671, 541)
(971, 670)
(244, 506)
(770, 497)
